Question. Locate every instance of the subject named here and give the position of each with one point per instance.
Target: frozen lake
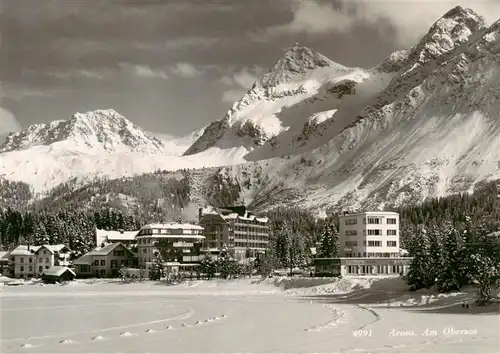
(229, 317)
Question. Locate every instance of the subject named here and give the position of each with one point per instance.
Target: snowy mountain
(259, 115)
(316, 134)
(98, 143)
(97, 131)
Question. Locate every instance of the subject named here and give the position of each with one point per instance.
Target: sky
(172, 67)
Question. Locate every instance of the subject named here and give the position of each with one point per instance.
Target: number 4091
(362, 333)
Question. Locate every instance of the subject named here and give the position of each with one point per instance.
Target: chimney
(121, 231)
(200, 213)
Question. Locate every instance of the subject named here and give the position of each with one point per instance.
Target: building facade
(105, 262)
(30, 261)
(181, 242)
(236, 230)
(369, 234)
(369, 244)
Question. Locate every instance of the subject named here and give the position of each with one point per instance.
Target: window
(30, 268)
(351, 243)
(22, 268)
(46, 267)
(30, 260)
(22, 260)
(96, 262)
(103, 272)
(391, 221)
(103, 262)
(374, 243)
(40, 260)
(391, 233)
(40, 269)
(374, 232)
(351, 232)
(44, 251)
(374, 220)
(351, 221)
(392, 244)
(46, 260)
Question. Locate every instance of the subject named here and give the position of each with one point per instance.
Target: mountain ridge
(98, 131)
(423, 123)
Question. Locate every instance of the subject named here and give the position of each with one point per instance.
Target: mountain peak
(296, 60)
(102, 130)
(448, 32)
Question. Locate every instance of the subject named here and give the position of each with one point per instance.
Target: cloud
(15, 93)
(186, 70)
(184, 42)
(239, 83)
(77, 74)
(8, 123)
(410, 19)
(143, 71)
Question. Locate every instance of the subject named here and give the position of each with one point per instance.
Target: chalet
(105, 262)
(28, 261)
(58, 274)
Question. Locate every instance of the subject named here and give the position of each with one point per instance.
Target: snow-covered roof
(22, 250)
(100, 251)
(4, 254)
(377, 213)
(173, 225)
(249, 218)
(114, 235)
(57, 271)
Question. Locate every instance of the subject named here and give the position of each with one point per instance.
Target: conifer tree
(452, 275)
(418, 267)
(328, 247)
(157, 271)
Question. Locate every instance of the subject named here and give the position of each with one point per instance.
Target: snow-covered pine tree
(418, 268)
(433, 241)
(484, 266)
(208, 265)
(283, 245)
(157, 272)
(452, 276)
(40, 235)
(328, 247)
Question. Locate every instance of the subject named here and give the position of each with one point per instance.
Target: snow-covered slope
(435, 130)
(97, 143)
(175, 145)
(314, 133)
(270, 107)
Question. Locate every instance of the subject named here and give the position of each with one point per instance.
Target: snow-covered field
(243, 316)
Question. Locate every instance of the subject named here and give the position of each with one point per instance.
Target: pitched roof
(57, 271)
(102, 235)
(86, 259)
(22, 250)
(100, 251)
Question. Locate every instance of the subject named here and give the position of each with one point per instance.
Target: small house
(58, 274)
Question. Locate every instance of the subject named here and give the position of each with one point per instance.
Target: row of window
(170, 232)
(372, 232)
(371, 243)
(372, 255)
(30, 260)
(372, 220)
(30, 268)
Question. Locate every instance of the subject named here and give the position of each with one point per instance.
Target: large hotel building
(235, 229)
(369, 243)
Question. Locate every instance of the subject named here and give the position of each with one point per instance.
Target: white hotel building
(369, 234)
(369, 244)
